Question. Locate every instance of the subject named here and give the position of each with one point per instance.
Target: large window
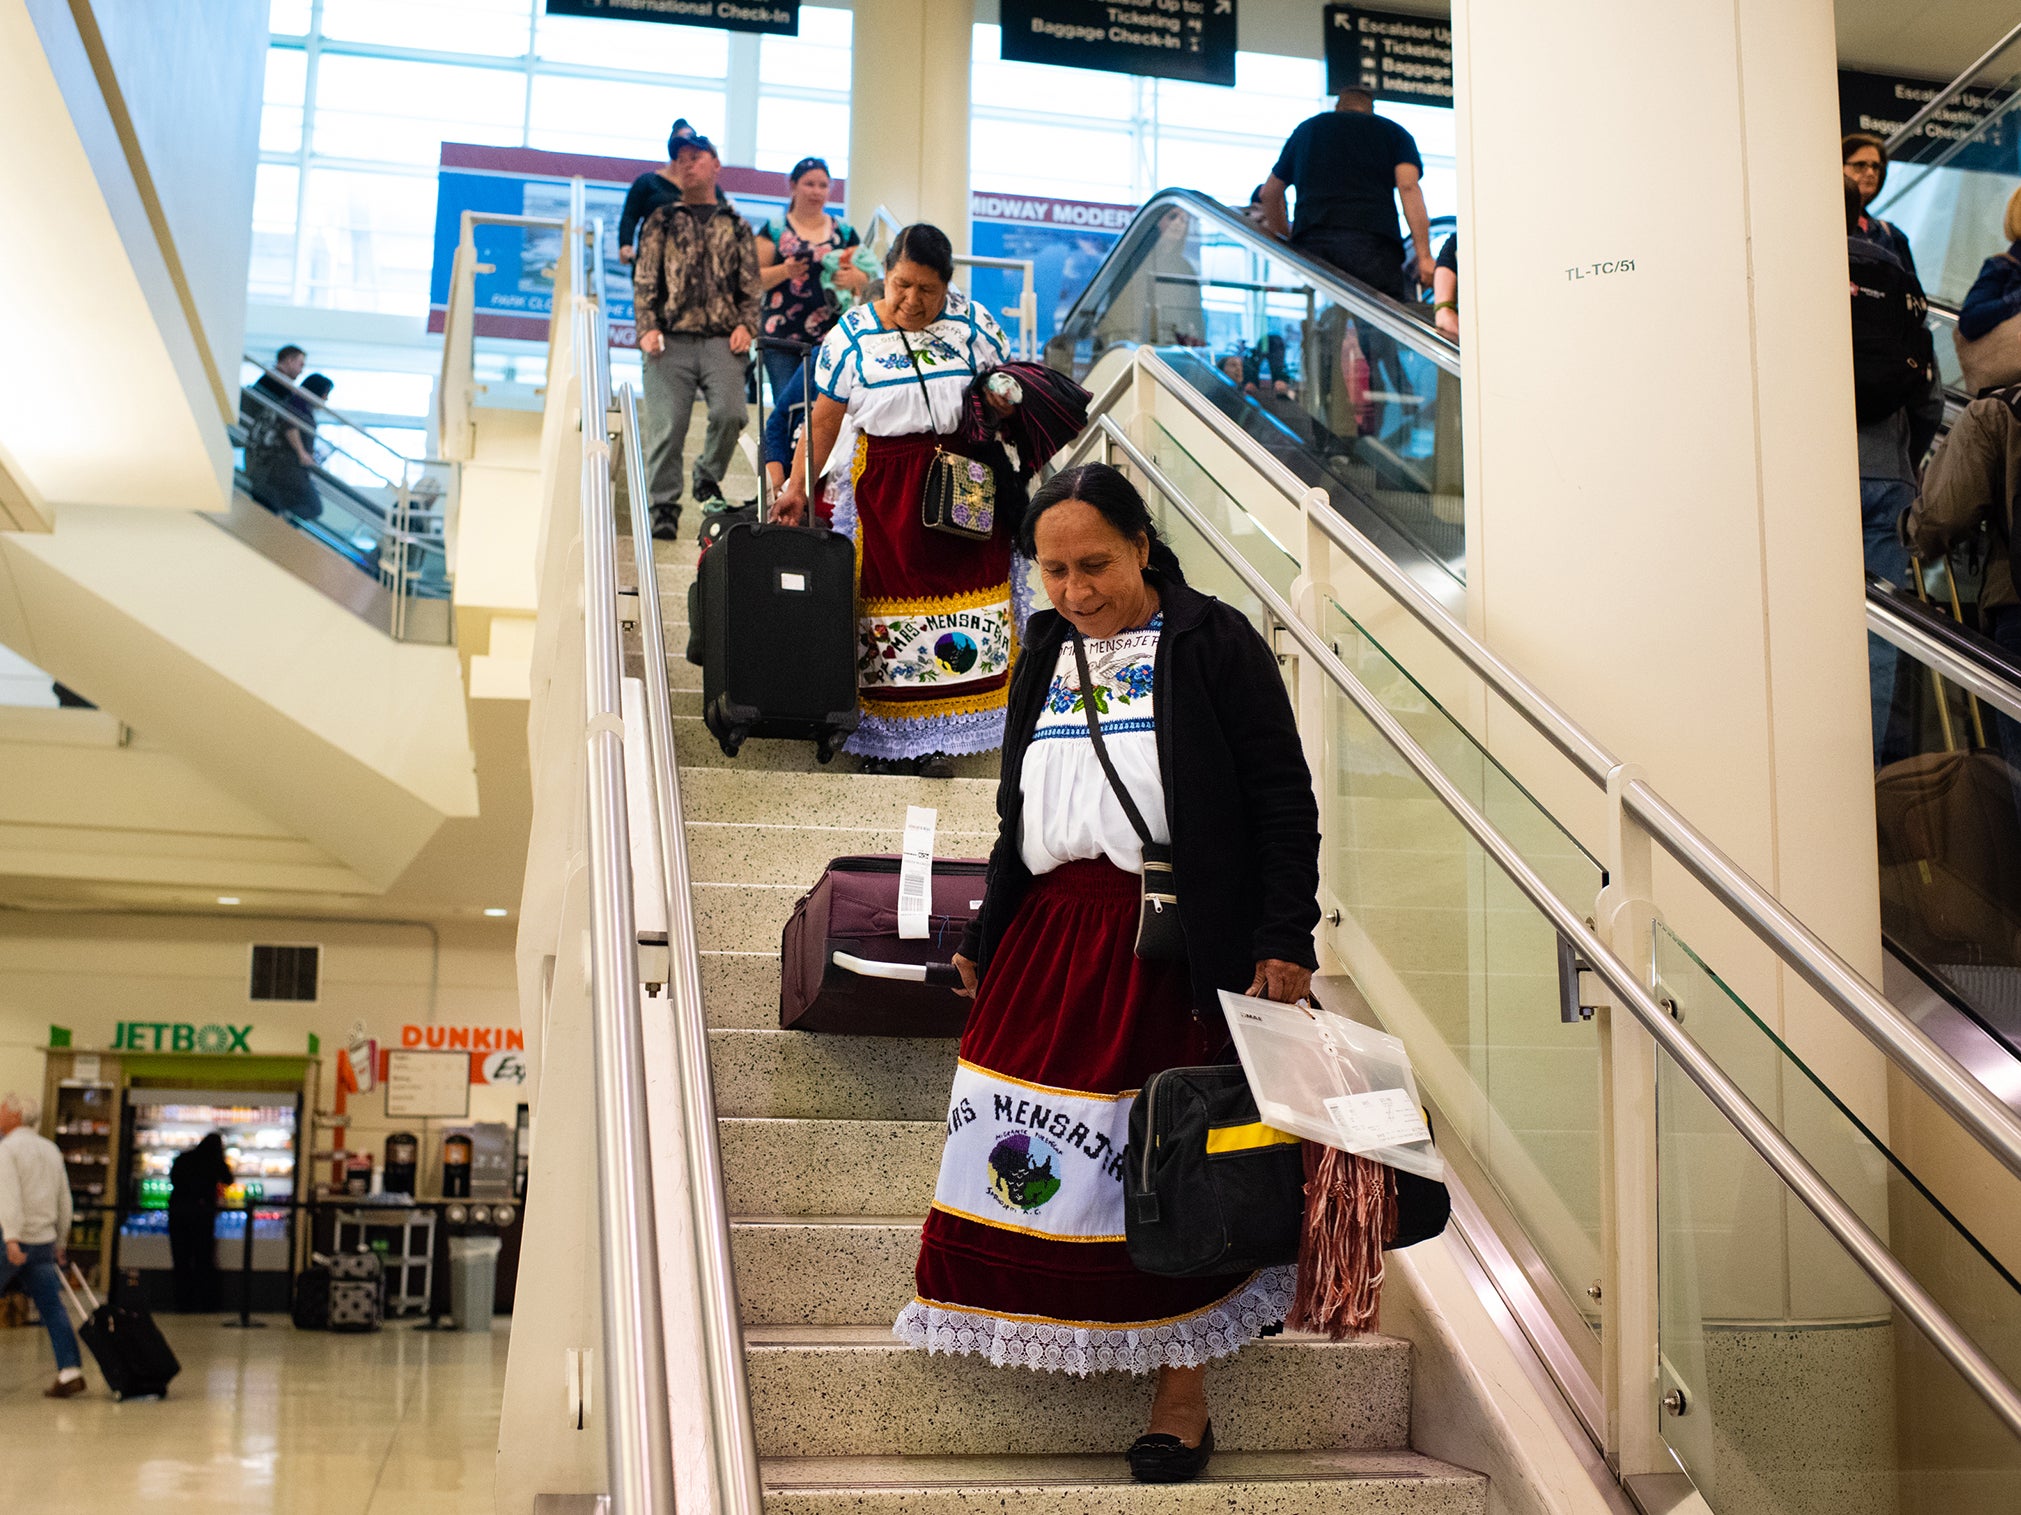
(1077, 134)
(360, 94)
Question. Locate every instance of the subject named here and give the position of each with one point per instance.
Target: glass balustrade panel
(1796, 1388)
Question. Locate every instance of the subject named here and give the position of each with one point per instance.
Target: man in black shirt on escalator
(1350, 168)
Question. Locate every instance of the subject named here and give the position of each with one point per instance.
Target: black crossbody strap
(1130, 809)
(925, 394)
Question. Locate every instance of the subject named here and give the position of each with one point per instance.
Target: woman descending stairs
(831, 1146)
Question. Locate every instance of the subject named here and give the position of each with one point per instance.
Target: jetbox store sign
(180, 1036)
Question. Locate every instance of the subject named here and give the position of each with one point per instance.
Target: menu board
(780, 17)
(424, 1084)
(1393, 56)
(1163, 39)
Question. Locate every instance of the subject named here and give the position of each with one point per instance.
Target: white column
(1662, 498)
(908, 112)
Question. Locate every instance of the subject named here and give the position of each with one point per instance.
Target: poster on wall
(1065, 239)
(1161, 39)
(779, 17)
(427, 1085)
(516, 297)
(1407, 59)
(1883, 103)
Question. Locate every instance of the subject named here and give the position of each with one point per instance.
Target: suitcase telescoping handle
(74, 1283)
(939, 975)
(806, 351)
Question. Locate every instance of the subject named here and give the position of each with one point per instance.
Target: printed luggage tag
(915, 874)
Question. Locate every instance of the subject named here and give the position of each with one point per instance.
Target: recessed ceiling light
(495, 910)
(228, 899)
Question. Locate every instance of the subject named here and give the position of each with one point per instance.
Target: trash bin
(473, 1281)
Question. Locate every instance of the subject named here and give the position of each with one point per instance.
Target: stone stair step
(743, 917)
(745, 852)
(847, 1391)
(740, 990)
(796, 1074)
(1253, 1483)
(792, 1166)
(694, 746)
(833, 797)
(824, 1271)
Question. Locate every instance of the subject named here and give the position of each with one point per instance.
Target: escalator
(1368, 411)
(358, 521)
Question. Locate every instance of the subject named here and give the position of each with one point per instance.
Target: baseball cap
(698, 142)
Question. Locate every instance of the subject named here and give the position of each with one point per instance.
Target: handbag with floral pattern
(959, 496)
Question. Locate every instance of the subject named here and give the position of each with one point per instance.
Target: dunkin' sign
(462, 1039)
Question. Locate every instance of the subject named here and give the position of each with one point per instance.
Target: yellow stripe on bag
(1245, 1138)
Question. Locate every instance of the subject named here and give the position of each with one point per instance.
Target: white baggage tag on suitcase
(915, 873)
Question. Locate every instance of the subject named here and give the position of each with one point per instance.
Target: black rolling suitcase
(131, 1353)
(778, 616)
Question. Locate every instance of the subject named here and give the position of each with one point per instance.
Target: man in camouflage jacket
(695, 293)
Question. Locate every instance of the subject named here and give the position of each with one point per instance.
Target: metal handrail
(637, 1430)
(1837, 1217)
(1951, 91)
(1935, 641)
(733, 1431)
(1365, 304)
(1942, 1076)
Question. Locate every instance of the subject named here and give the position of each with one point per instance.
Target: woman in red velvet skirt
(1022, 1260)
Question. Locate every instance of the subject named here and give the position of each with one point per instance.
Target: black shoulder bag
(1159, 935)
(959, 496)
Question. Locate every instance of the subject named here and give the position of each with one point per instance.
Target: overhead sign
(1408, 59)
(1065, 239)
(779, 17)
(1164, 39)
(1883, 103)
(516, 296)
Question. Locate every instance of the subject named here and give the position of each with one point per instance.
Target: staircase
(830, 1149)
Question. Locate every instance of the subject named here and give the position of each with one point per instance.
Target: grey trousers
(684, 366)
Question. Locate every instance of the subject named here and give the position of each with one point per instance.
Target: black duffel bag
(1209, 1189)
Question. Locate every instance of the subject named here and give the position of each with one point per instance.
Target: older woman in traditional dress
(1022, 1260)
(936, 631)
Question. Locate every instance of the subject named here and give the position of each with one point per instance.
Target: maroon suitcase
(843, 968)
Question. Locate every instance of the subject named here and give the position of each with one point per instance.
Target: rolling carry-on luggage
(844, 968)
(357, 1290)
(310, 1307)
(778, 616)
(777, 609)
(128, 1347)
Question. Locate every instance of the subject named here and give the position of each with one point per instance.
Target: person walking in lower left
(34, 1220)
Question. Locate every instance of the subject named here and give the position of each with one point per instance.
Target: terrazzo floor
(278, 1421)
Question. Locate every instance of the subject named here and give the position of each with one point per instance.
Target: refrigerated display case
(261, 1131)
(82, 1119)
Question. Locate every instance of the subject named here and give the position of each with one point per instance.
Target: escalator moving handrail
(1756, 1129)
(1967, 659)
(1942, 1076)
(1951, 91)
(1391, 316)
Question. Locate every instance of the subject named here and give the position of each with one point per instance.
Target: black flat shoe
(1167, 1459)
(935, 765)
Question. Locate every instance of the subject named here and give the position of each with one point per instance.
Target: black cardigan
(1238, 795)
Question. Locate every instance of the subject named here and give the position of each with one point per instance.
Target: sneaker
(706, 489)
(667, 523)
(65, 1388)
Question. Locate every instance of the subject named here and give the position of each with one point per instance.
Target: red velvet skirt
(936, 634)
(1022, 1259)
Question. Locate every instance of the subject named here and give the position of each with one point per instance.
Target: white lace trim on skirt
(1220, 1330)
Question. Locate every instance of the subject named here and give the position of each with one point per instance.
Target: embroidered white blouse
(1070, 810)
(864, 364)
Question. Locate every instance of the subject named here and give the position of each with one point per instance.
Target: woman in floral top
(790, 251)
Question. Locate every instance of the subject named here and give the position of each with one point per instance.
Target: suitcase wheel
(731, 743)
